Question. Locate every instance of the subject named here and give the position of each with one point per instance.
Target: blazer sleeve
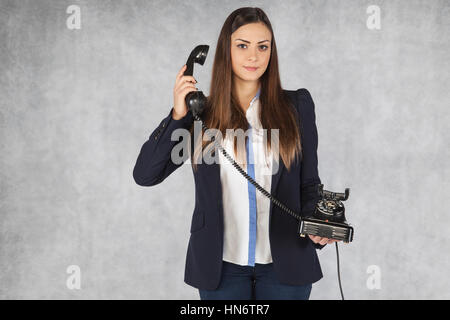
(309, 174)
(154, 163)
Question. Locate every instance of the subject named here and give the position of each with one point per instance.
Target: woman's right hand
(183, 85)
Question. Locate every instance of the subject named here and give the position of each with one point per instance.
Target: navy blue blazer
(294, 258)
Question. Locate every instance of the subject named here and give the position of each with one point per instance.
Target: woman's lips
(251, 69)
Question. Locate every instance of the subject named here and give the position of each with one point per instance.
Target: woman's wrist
(177, 116)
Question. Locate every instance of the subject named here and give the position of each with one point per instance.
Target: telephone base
(326, 229)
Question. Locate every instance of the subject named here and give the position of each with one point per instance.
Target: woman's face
(250, 47)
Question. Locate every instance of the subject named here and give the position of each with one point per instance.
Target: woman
(241, 246)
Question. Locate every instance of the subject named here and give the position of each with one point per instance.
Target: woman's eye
(263, 47)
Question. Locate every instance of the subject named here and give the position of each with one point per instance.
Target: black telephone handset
(196, 100)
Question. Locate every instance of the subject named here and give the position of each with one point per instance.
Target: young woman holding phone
(241, 246)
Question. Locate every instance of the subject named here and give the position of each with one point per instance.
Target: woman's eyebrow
(249, 41)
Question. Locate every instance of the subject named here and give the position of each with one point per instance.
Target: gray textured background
(77, 105)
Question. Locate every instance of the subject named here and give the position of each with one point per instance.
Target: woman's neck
(245, 91)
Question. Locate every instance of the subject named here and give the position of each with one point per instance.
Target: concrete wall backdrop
(77, 105)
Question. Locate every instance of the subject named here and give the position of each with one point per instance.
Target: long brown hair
(223, 111)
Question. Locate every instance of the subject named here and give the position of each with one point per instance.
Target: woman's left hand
(321, 240)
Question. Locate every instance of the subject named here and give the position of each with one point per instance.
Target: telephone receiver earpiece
(196, 100)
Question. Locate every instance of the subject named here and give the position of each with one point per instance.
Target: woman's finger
(183, 80)
(180, 73)
(314, 239)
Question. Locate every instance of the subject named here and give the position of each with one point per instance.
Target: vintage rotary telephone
(328, 219)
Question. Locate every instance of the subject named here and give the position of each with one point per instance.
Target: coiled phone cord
(261, 189)
(238, 167)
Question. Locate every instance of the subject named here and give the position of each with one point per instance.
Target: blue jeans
(253, 283)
